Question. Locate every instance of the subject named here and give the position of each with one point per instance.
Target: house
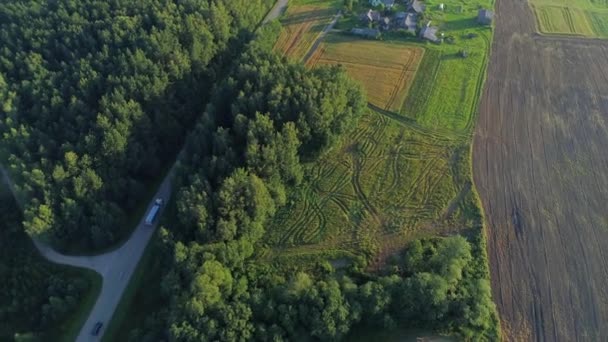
(371, 16)
(400, 15)
(386, 23)
(366, 32)
(416, 6)
(406, 21)
(429, 32)
(388, 3)
(485, 17)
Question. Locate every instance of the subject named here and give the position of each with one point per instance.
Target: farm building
(416, 6)
(407, 21)
(366, 32)
(388, 3)
(485, 17)
(371, 16)
(429, 32)
(386, 23)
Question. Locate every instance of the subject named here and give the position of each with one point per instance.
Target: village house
(485, 17)
(371, 16)
(429, 32)
(407, 21)
(416, 6)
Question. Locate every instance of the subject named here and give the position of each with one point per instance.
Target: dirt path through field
(541, 168)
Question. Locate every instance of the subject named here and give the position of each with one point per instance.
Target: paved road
(116, 267)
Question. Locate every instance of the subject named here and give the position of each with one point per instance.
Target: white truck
(153, 212)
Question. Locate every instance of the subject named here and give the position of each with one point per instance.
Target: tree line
(96, 97)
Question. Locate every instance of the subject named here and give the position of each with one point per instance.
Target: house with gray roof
(388, 3)
(406, 20)
(429, 32)
(416, 6)
(371, 16)
(485, 17)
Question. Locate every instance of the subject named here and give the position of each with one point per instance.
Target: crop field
(579, 17)
(446, 94)
(391, 181)
(540, 168)
(302, 24)
(563, 20)
(385, 70)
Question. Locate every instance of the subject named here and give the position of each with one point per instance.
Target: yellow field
(301, 26)
(386, 71)
(563, 20)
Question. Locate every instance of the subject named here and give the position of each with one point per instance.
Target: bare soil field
(541, 168)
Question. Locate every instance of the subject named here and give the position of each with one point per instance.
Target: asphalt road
(116, 267)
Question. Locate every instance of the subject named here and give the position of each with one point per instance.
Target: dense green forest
(36, 296)
(96, 97)
(248, 150)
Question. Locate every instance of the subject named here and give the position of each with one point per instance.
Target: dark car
(97, 328)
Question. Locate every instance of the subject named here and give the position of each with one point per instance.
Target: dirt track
(541, 168)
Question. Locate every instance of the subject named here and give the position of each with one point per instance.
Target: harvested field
(385, 70)
(540, 166)
(301, 26)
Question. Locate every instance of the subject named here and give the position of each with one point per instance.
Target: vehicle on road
(97, 328)
(153, 211)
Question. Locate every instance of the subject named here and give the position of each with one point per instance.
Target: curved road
(115, 267)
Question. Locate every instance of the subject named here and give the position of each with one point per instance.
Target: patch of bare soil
(541, 168)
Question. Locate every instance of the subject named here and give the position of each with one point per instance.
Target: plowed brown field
(541, 168)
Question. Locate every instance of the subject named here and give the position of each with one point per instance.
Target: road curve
(115, 267)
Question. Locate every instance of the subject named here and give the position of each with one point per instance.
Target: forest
(36, 296)
(97, 97)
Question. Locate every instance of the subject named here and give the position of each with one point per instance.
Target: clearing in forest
(385, 70)
(301, 26)
(578, 17)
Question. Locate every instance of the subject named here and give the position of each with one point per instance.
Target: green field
(404, 172)
(580, 17)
